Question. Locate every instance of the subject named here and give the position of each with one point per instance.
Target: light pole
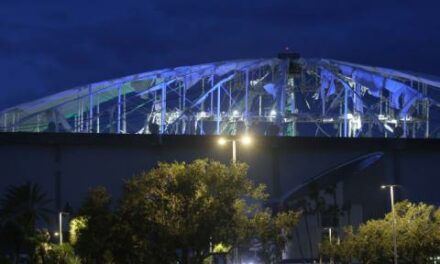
(330, 239)
(391, 187)
(245, 140)
(60, 226)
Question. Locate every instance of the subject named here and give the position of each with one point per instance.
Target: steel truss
(277, 96)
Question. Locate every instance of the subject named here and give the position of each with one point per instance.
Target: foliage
(76, 225)
(221, 248)
(90, 231)
(273, 233)
(57, 254)
(20, 209)
(418, 237)
(174, 212)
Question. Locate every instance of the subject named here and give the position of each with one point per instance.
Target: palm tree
(20, 210)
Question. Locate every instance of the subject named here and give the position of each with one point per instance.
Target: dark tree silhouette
(20, 210)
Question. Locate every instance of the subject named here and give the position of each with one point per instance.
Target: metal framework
(283, 96)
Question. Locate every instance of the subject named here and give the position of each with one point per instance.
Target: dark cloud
(48, 46)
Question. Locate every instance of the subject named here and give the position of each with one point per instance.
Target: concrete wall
(67, 165)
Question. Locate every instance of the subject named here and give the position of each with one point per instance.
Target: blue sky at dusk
(50, 46)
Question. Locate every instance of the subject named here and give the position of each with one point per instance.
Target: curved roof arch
(285, 96)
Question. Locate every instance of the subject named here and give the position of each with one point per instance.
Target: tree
(273, 233)
(418, 227)
(59, 254)
(174, 212)
(20, 209)
(418, 237)
(90, 232)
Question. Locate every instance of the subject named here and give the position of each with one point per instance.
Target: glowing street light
(391, 187)
(245, 140)
(222, 141)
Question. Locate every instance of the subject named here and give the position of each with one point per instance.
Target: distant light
(383, 186)
(246, 140)
(56, 234)
(235, 113)
(328, 120)
(222, 141)
(273, 113)
(349, 116)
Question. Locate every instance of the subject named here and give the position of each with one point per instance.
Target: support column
(260, 105)
(293, 110)
(77, 119)
(203, 92)
(124, 113)
(13, 121)
(38, 122)
(218, 109)
(425, 90)
(246, 101)
(346, 112)
(79, 128)
(212, 97)
(405, 127)
(97, 115)
(90, 110)
(163, 106)
(322, 95)
(118, 119)
(185, 86)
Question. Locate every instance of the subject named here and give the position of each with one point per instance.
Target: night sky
(49, 46)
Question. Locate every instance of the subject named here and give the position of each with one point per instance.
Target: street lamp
(392, 187)
(60, 225)
(245, 140)
(330, 229)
